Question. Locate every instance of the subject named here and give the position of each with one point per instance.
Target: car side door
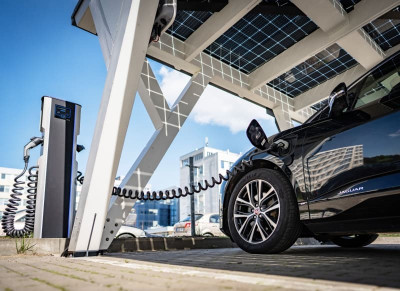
(358, 151)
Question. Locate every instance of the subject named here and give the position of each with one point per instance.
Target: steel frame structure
(123, 28)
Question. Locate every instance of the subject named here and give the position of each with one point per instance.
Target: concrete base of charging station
(42, 246)
(55, 246)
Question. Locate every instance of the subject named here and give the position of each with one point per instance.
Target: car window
(379, 83)
(196, 217)
(214, 218)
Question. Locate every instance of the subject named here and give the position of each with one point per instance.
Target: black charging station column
(55, 202)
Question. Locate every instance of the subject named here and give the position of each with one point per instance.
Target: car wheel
(208, 234)
(263, 215)
(354, 241)
(126, 235)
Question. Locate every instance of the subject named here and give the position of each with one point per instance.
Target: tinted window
(214, 218)
(380, 83)
(197, 217)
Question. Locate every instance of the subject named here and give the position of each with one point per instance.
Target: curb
(168, 244)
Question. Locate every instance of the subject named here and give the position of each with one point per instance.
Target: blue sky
(41, 53)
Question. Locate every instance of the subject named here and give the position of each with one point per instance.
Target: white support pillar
(282, 118)
(132, 33)
(147, 162)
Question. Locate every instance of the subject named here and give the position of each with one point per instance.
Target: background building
(209, 162)
(154, 214)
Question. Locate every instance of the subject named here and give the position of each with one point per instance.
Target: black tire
(288, 225)
(354, 241)
(209, 234)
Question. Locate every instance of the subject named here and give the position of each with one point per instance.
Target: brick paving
(299, 268)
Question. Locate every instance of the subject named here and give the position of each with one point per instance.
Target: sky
(42, 54)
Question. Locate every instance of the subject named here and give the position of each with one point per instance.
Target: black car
(336, 177)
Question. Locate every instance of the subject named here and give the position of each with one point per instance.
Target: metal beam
(329, 14)
(282, 118)
(147, 162)
(152, 97)
(128, 54)
(326, 14)
(216, 25)
(364, 12)
(170, 50)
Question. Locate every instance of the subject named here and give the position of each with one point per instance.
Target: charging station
(55, 202)
(51, 184)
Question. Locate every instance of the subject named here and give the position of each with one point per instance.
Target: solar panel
(385, 32)
(257, 38)
(186, 22)
(314, 71)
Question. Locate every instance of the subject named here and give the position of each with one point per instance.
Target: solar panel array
(385, 32)
(258, 37)
(186, 22)
(317, 69)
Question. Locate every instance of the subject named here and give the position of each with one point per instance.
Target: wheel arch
(257, 164)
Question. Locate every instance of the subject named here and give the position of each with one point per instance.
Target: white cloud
(395, 134)
(172, 83)
(215, 106)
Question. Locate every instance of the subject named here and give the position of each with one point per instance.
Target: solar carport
(284, 55)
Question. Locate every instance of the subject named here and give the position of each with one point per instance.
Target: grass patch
(389, 234)
(24, 245)
(49, 284)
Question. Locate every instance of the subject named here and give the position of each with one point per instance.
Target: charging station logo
(63, 112)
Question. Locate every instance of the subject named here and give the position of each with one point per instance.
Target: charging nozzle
(35, 141)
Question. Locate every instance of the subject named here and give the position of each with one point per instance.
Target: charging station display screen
(62, 112)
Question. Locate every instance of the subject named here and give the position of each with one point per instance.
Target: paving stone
(299, 268)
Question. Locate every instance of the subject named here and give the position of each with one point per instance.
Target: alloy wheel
(256, 211)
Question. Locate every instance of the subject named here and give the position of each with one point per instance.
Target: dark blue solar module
(314, 71)
(257, 38)
(186, 22)
(348, 5)
(385, 32)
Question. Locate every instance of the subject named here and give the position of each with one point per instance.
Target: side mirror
(338, 100)
(257, 136)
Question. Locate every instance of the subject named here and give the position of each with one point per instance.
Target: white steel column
(145, 165)
(127, 56)
(282, 118)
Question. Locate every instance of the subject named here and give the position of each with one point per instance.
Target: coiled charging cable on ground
(8, 219)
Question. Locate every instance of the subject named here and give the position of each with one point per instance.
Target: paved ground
(301, 267)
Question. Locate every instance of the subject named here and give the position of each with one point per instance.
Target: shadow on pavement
(373, 265)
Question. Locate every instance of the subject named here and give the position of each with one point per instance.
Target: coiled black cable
(8, 218)
(80, 177)
(164, 195)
